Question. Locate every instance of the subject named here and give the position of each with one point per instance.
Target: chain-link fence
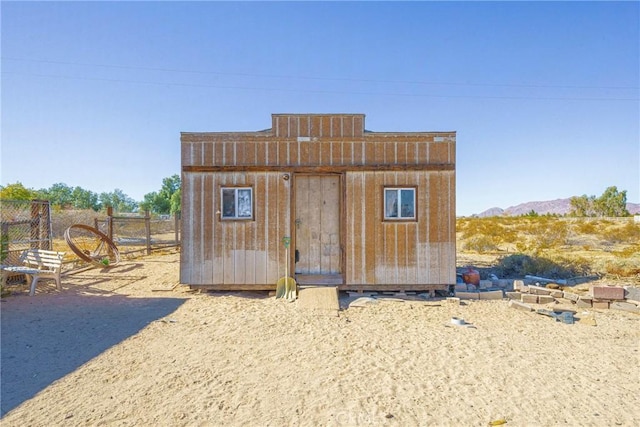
(24, 224)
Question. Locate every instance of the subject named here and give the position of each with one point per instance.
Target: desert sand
(129, 346)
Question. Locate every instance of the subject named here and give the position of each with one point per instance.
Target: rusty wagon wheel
(91, 245)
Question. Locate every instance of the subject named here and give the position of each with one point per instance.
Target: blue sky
(544, 96)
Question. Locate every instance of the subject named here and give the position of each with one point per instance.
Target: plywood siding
(217, 252)
(408, 253)
(261, 149)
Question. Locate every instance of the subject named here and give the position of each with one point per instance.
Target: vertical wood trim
(207, 226)
(369, 233)
(199, 238)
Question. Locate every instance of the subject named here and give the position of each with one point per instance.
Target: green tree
(59, 195)
(17, 191)
(85, 199)
(164, 201)
(118, 200)
(612, 203)
(176, 202)
(582, 205)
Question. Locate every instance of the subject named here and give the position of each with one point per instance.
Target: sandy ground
(109, 350)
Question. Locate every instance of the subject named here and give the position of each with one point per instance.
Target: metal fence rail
(140, 233)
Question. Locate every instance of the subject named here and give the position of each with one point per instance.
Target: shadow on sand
(45, 337)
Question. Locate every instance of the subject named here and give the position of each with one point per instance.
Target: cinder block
(468, 295)
(538, 290)
(461, 287)
(491, 295)
(529, 299)
(600, 304)
(583, 303)
(626, 306)
(570, 296)
(452, 300)
(519, 306)
(607, 292)
(485, 284)
(557, 294)
(632, 293)
(514, 295)
(518, 285)
(504, 283)
(545, 299)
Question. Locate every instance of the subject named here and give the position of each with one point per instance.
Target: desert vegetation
(555, 247)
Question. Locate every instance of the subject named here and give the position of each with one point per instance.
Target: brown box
(607, 292)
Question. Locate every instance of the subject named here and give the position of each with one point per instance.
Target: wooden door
(317, 222)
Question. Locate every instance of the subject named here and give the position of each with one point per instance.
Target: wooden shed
(364, 210)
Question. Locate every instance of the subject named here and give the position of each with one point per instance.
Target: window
(400, 203)
(237, 203)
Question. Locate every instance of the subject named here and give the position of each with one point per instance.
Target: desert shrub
(481, 243)
(627, 252)
(542, 233)
(622, 268)
(628, 233)
(586, 227)
(486, 234)
(63, 219)
(519, 265)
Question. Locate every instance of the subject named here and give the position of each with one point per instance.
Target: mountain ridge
(552, 207)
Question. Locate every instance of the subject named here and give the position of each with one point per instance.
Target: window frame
(236, 189)
(398, 190)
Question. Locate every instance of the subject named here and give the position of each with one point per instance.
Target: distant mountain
(556, 207)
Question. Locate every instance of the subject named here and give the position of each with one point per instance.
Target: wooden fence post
(147, 229)
(34, 238)
(110, 222)
(46, 232)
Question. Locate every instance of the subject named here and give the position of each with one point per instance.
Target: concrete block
(600, 304)
(632, 293)
(491, 295)
(545, 299)
(625, 306)
(519, 306)
(486, 284)
(468, 295)
(570, 296)
(504, 283)
(529, 299)
(539, 290)
(583, 303)
(454, 301)
(608, 292)
(461, 287)
(514, 295)
(518, 285)
(557, 294)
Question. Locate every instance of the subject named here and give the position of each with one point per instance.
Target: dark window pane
(228, 203)
(407, 198)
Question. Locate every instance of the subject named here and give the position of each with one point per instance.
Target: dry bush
(63, 219)
(556, 247)
(628, 233)
(519, 265)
